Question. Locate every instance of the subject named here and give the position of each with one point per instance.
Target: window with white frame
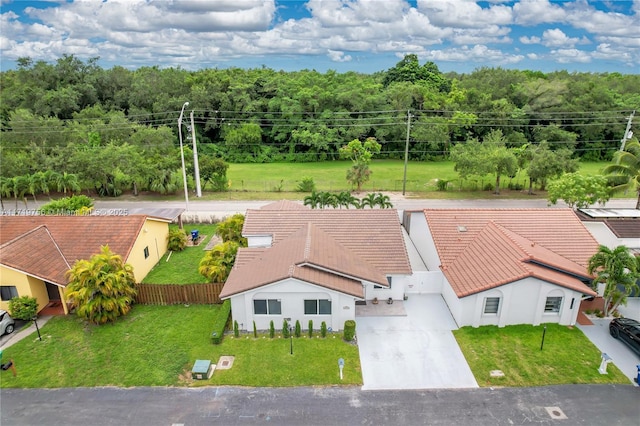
(491, 305)
(8, 292)
(267, 307)
(317, 307)
(552, 305)
(146, 252)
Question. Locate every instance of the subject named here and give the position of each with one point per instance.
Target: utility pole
(196, 167)
(184, 170)
(406, 152)
(627, 133)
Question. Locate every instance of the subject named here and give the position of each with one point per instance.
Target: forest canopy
(72, 116)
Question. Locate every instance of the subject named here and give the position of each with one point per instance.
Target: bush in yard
(298, 329)
(220, 322)
(255, 330)
(102, 288)
(177, 240)
(306, 185)
(68, 205)
(272, 330)
(323, 329)
(442, 184)
(310, 328)
(285, 329)
(236, 332)
(23, 308)
(349, 330)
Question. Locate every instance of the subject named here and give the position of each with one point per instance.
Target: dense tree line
(76, 117)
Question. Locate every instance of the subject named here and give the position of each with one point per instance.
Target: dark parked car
(627, 330)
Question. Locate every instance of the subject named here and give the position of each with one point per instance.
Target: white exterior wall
(396, 292)
(292, 293)
(521, 302)
(423, 241)
(423, 282)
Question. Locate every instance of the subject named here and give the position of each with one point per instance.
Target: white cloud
(476, 53)
(337, 56)
(464, 13)
(175, 32)
(532, 12)
(530, 40)
(566, 56)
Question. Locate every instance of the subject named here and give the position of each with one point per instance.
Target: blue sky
(342, 35)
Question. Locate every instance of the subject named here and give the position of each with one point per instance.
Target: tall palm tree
(6, 189)
(20, 188)
(67, 182)
(101, 288)
(625, 171)
(617, 269)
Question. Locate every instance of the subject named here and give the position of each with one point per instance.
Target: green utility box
(202, 369)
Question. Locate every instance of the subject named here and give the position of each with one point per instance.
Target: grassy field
(157, 346)
(387, 175)
(182, 267)
(567, 357)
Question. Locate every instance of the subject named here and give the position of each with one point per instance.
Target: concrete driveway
(416, 351)
(623, 357)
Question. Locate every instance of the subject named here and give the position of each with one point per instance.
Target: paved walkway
(415, 351)
(598, 332)
(10, 339)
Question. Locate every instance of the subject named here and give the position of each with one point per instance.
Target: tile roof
(375, 235)
(284, 205)
(308, 254)
(42, 245)
(481, 249)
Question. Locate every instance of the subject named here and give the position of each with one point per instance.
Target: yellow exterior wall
(25, 285)
(153, 235)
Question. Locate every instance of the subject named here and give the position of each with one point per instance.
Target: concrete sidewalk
(10, 339)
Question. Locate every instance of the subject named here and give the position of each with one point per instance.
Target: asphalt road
(564, 405)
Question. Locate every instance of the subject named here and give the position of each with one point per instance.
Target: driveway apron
(416, 351)
(621, 355)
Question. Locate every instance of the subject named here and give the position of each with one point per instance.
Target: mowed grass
(157, 346)
(387, 175)
(567, 357)
(182, 267)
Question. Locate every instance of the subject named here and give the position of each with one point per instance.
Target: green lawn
(387, 175)
(568, 356)
(182, 267)
(157, 346)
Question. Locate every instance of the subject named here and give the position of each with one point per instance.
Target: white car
(7, 324)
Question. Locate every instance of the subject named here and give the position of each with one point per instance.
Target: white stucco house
(505, 266)
(306, 264)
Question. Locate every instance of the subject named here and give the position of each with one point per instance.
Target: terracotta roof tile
(76, 237)
(309, 254)
(284, 205)
(484, 248)
(375, 234)
(37, 253)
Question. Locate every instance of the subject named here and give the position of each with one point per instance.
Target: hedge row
(220, 323)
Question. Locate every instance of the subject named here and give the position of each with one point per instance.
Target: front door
(52, 292)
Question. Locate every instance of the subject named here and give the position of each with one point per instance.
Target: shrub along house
(505, 266)
(315, 265)
(37, 251)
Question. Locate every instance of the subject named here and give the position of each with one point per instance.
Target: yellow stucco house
(37, 251)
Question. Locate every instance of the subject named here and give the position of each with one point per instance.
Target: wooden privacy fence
(170, 294)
